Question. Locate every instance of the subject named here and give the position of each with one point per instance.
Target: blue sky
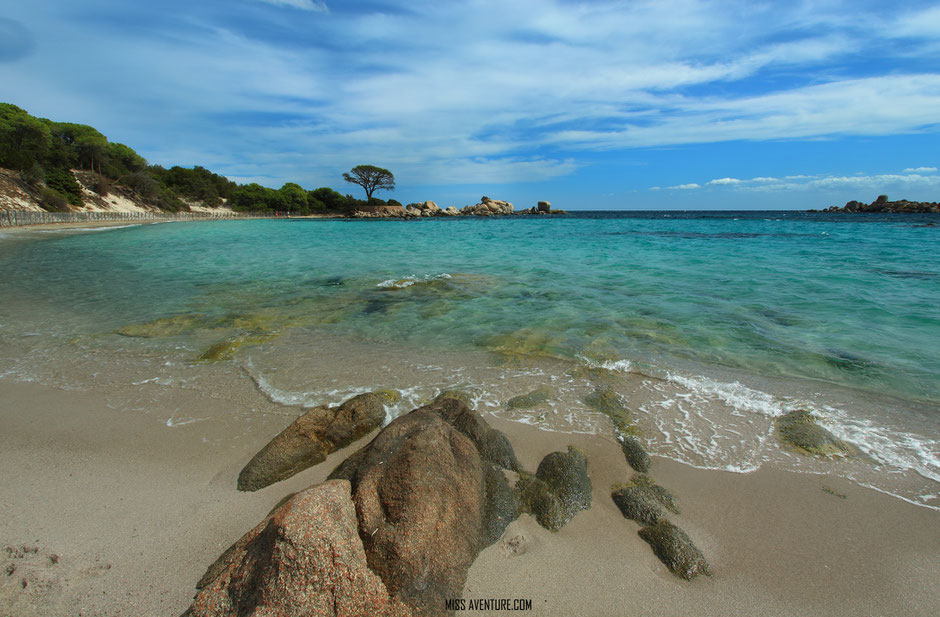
(665, 104)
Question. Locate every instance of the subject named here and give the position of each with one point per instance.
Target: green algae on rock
(675, 549)
(165, 326)
(799, 430)
(642, 500)
(536, 397)
(389, 396)
(457, 395)
(559, 489)
(634, 453)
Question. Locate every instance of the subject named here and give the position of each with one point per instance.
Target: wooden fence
(14, 218)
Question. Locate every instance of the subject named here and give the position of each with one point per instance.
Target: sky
(665, 104)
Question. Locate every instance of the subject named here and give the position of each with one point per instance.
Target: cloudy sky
(592, 104)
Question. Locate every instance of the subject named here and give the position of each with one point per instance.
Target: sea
(707, 326)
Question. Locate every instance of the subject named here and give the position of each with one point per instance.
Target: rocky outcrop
(310, 438)
(675, 549)
(306, 558)
(489, 207)
(420, 494)
(559, 489)
(544, 206)
(882, 204)
(799, 430)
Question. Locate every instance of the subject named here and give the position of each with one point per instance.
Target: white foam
(411, 279)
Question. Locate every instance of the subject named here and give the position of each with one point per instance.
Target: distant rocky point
(883, 205)
(486, 207)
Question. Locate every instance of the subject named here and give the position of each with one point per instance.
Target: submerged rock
(166, 326)
(675, 549)
(799, 430)
(560, 488)
(536, 397)
(609, 402)
(634, 453)
(310, 438)
(388, 395)
(306, 558)
(458, 395)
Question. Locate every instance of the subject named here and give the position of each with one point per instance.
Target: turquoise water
(838, 310)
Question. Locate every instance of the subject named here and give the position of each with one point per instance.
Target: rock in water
(675, 549)
(799, 429)
(420, 493)
(310, 438)
(304, 559)
(536, 397)
(560, 488)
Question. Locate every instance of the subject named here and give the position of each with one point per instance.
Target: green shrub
(62, 181)
(53, 201)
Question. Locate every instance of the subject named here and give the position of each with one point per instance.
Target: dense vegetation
(45, 152)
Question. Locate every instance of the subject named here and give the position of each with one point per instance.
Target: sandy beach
(110, 510)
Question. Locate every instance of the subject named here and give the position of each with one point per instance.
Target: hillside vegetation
(48, 158)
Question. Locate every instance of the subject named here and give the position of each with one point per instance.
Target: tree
(371, 178)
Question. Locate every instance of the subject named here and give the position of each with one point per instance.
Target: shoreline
(136, 508)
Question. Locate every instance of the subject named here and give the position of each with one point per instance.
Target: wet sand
(125, 510)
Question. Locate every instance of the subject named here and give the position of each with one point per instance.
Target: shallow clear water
(711, 323)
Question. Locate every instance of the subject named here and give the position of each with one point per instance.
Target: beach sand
(112, 510)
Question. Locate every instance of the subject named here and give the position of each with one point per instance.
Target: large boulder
(420, 489)
(544, 206)
(306, 558)
(310, 438)
(560, 488)
(492, 444)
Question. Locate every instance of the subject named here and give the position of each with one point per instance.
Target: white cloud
(512, 92)
(686, 187)
(874, 182)
(920, 170)
(304, 5)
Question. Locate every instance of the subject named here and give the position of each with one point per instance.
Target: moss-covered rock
(501, 505)
(560, 488)
(634, 453)
(534, 398)
(166, 326)
(798, 429)
(606, 400)
(388, 395)
(675, 549)
(642, 500)
(638, 504)
(458, 395)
